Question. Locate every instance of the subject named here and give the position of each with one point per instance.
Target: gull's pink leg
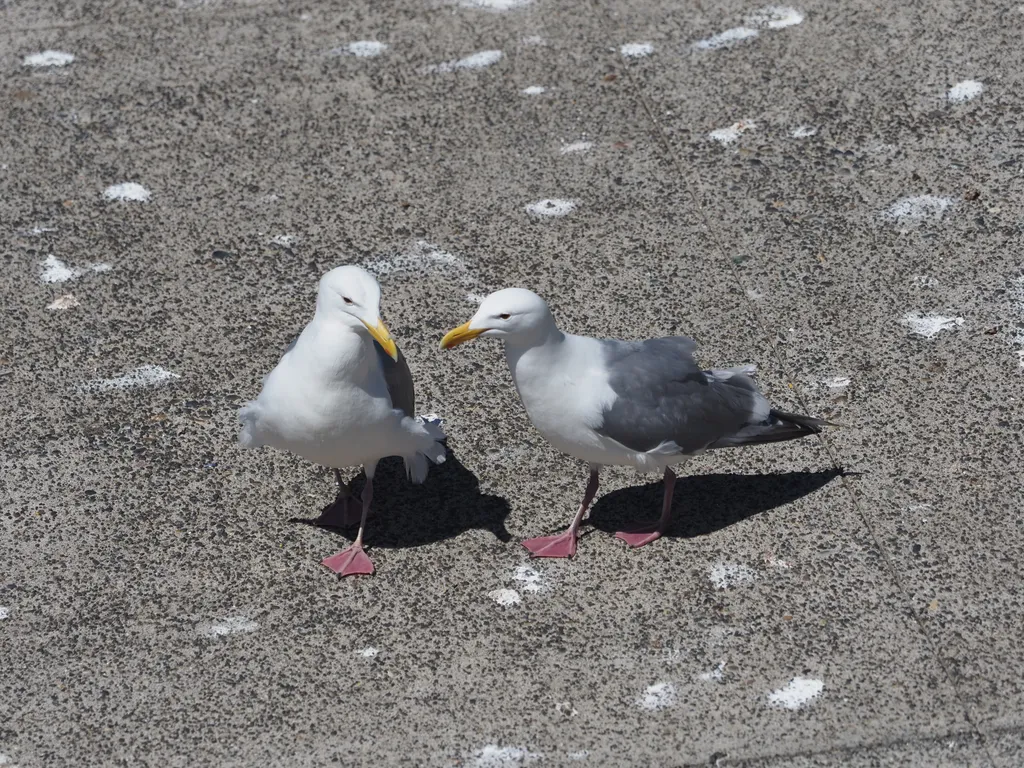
(564, 544)
(344, 512)
(638, 537)
(353, 561)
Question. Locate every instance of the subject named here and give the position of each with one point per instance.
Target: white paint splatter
(364, 49)
(368, 653)
(421, 257)
(769, 17)
(56, 271)
(713, 675)
(143, 376)
(726, 39)
(531, 578)
(38, 230)
(497, 6)
(924, 281)
(965, 90)
(566, 708)
(774, 17)
(67, 301)
(636, 50)
(657, 696)
(493, 756)
(285, 241)
(49, 59)
(534, 90)
(229, 625)
(919, 208)
(777, 562)
(5, 612)
(581, 755)
(733, 132)
(929, 325)
(127, 191)
(552, 208)
(475, 298)
(576, 146)
(837, 382)
(672, 655)
(478, 60)
(507, 454)
(505, 597)
(726, 575)
(797, 692)
(533, 40)
(803, 131)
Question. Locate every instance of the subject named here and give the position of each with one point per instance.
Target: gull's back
(666, 403)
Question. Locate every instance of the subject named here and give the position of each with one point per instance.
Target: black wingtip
(809, 423)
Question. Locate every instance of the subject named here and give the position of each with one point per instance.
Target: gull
(341, 396)
(645, 404)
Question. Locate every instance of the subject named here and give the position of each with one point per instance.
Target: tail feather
(248, 415)
(431, 447)
(808, 422)
(780, 426)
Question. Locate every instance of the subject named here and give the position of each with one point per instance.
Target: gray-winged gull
(342, 395)
(645, 404)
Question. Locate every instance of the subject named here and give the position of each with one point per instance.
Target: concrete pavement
(793, 188)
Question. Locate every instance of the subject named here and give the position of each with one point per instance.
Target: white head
(351, 295)
(516, 315)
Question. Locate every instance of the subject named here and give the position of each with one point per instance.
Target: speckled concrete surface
(158, 607)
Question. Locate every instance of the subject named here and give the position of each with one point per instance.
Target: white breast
(564, 388)
(327, 400)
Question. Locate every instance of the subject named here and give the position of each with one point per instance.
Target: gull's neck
(536, 350)
(337, 345)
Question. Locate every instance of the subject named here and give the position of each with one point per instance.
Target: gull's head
(351, 295)
(513, 314)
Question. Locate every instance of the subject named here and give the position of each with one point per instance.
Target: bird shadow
(703, 504)
(403, 515)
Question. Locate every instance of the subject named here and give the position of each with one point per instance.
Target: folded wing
(666, 404)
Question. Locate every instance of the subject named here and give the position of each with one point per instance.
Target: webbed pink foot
(560, 545)
(639, 537)
(350, 562)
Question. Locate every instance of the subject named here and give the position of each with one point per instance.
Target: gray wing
(399, 380)
(664, 397)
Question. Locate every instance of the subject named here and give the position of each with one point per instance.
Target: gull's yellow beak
(382, 336)
(460, 335)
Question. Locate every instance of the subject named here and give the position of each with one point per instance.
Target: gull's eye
(505, 316)
(347, 300)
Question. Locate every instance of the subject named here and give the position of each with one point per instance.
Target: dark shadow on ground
(407, 515)
(703, 504)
